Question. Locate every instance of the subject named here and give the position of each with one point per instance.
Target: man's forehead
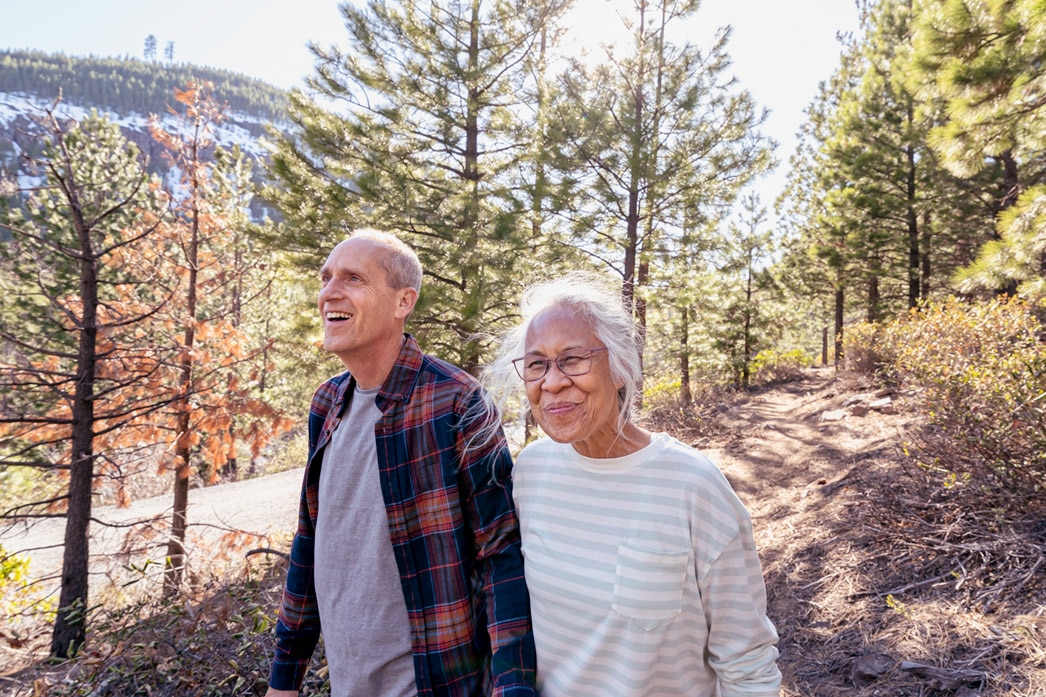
(354, 252)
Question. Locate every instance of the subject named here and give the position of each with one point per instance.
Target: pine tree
(743, 327)
(425, 143)
(68, 394)
(985, 59)
(815, 263)
(657, 142)
(903, 185)
(214, 405)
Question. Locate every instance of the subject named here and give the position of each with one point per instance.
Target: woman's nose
(555, 379)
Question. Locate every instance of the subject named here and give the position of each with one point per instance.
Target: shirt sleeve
(486, 470)
(741, 640)
(298, 623)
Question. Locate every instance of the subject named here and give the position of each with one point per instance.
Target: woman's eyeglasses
(572, 362)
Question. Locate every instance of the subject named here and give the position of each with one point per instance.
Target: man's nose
(328, 291)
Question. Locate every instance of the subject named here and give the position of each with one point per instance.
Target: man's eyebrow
(342, 271)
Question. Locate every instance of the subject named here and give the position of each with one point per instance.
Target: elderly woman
(640, 560)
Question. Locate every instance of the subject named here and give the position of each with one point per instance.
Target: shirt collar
(404, 374)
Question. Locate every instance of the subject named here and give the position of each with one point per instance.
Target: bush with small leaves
(980, 369)
(770, 366)
(21, 603)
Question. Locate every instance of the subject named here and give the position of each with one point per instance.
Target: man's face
(360, 312)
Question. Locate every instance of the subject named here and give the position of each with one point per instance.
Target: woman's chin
(559, 435)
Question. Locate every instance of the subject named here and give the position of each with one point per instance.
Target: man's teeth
(338, 315)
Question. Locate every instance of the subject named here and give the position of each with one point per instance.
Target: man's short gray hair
(401, 264)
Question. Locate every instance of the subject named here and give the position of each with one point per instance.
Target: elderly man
(407, 552)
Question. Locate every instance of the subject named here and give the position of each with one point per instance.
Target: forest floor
(879, 580)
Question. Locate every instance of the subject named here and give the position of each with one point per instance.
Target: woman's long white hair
(597, 302)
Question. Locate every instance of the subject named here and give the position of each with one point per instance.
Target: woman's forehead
(558, 328)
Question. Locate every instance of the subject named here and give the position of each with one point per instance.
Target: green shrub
(21, 484)
(863, 351)
(770, 366)
(662, 391)
(20, 602)
(980, 369)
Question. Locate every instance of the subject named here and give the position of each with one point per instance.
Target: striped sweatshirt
(643, 576)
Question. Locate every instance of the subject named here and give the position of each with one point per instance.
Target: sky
(781, 49)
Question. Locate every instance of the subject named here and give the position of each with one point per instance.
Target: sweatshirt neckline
(625, 463)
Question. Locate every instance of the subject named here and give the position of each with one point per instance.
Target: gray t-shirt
(366, 632)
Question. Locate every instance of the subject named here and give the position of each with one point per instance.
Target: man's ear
(405, 302)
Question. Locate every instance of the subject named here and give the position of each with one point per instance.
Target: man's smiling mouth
(337, 316)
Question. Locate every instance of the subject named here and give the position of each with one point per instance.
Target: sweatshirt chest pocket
(648, 588)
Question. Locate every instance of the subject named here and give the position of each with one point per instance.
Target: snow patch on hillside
(231, 132)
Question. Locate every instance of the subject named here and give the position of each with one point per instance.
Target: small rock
(834, 415)
(871, 667)
(858, 409)
(884, 405)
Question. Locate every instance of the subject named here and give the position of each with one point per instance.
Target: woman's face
(581, 409)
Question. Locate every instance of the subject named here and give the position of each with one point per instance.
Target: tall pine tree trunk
(70, 622)
(914, 292)
(175, 567)
(471, 272)
(873, 301)
(628, 287)
(685, 394)
(230, 469)
(924, 256)
(746, 343)
(839, 315)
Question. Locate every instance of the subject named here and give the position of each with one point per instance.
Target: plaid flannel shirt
(454, 534)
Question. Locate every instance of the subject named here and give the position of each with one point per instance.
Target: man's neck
(372, 371)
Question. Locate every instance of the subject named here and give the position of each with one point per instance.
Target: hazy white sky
(781, 49)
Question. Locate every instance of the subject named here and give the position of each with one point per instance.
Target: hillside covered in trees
(153, 335)
(129, 86)
(129, 92)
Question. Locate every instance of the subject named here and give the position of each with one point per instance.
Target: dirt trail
(795, 455)
(775, 446)
(859, 603)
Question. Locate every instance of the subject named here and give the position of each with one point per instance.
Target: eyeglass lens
(573, 363)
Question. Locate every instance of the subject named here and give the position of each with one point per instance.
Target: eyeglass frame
(516, 363)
